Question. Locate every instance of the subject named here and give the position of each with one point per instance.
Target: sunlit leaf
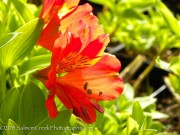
(10, 106)
(2, 29)
(16, 50)
(175, 82)
(162, 64)
(145, 101)
(168, 17)
(90, 132)
(23, 10)
(56, 126)
(107, 3)
(5, 39)
(14, 128)
(140, 4)
(137, 113)
(34, 64)
(159, 115)
(147, 132)
(132, 126)
(174, 65)
(128, 91)
(157, 125)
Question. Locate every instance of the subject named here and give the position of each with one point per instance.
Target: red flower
(81, 74)
(58, 15)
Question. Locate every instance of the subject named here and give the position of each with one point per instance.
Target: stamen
(85, 113)
(100, 93)
(98, 107)
(76, 111)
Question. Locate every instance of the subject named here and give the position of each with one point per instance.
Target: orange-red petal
(51, 106)
(74, 99)
(50, 33)
(50, 8)
(102, 80)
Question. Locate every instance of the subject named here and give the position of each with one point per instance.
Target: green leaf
(2, 29)
(1, 126)
(174, 66)
(107, 3)
(90, 132)
(5, 39)
(162, 64)
(147, 132)
(157, 125)
(128, 91)
(132, 126)
(23, 10)
(175, 82)
(140, 4)
(56, 126)
(159, 115)
(137, 113)
(16, 50)
(165, 133)
(9, 107)
(34, 64)
(145, 101)
(14, 128)
(32, 106)
(168, 17)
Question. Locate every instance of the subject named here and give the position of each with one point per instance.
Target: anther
(100, 93)
(89, 91)
(85, 86)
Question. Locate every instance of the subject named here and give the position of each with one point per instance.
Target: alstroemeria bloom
(58, 15)
(81, 74)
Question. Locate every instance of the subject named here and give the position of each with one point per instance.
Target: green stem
(144, 74)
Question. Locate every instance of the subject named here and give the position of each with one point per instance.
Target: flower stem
(144, 74)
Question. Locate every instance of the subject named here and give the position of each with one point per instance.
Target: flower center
(89, 91)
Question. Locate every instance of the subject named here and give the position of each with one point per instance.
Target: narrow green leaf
(145, 101)
(32, 106)
(14, 129)
(34, 64)
(5, 39)
(137, 113)
(23, 10)
(162, 64)
(159, 115)
(107, 3)
(175, 83)
(147, 132)
(157, 125)
(174, 66)
(168, 17)
(2, 29)
(132, 126)
(128, 91)
(55, 126)
(140, 4)
(16, 50)
(90, 132)
(9, 107)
